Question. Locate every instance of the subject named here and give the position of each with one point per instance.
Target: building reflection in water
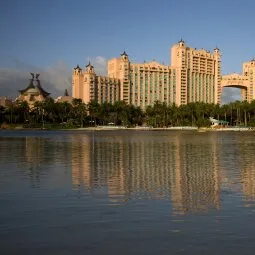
(175, 167)
(236, 158)
(39, 156)
(34, 153)
(82, 161)
(196, 185)
(96, 165)
(190, 170)
(246, 157)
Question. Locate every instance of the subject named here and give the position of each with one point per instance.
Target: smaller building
(216, 123)
(64, 98)
(34, 92)
(4, 101)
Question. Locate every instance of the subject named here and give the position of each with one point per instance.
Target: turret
(217, 90)
(181, 43)
(124, 66)
(124, 56)
(89, 83)
(124, 77)
(77, 70)
(216, 50)
(66, 94)
(89, 73)
(178, 52)
(89, 68)
(77, 82)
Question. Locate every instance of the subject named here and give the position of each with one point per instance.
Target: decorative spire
(124, 54)
(32, 86)
(31, 83)
(181, 41)
(37, 80)
(89, 64)
(66, 93)
(33, 76)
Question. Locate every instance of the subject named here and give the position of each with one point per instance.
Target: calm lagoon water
(127, 192)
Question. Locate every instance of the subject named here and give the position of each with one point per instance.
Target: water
(127, 192)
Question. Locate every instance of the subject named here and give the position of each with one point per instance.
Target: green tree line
(78, 114)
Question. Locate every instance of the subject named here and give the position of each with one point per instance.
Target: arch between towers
(236, 81)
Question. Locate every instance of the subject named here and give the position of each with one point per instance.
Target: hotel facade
(194, 75)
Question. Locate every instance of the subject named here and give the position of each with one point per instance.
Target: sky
(53, 36)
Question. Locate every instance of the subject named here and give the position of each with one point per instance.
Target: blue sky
(41, 33)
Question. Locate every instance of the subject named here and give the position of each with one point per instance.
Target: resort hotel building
(194, 75)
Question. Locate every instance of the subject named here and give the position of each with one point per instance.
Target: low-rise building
(4, 101)
(65, 98)
(33, 92)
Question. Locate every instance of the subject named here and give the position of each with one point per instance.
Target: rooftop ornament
(124, 54)
(32, 86)
(89, 64)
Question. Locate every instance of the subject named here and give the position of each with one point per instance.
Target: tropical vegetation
(50, 114)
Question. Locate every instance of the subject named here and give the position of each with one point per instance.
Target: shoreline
(169, 129)
(118, 128)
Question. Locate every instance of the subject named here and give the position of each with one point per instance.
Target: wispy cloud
(58, 77)
(54, 79)
(100, 64)
(230, 95)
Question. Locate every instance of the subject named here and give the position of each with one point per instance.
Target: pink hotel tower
(193, 76)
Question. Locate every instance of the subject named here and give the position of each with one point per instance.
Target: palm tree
(245, 107)
(2, 113)
(251, 113)
(79, 111)
(94, 109)
(104, 112)
(224, 110)
(137, 115)
(63, 110)
(149, 113)
(119, 109)
(23, 109)
(11, 113)
(175, 114)
(49, 110)
(237, 107)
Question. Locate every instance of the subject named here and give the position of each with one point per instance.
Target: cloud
(58, 77)
(230, 95)
(54, 79)
(100, 64)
